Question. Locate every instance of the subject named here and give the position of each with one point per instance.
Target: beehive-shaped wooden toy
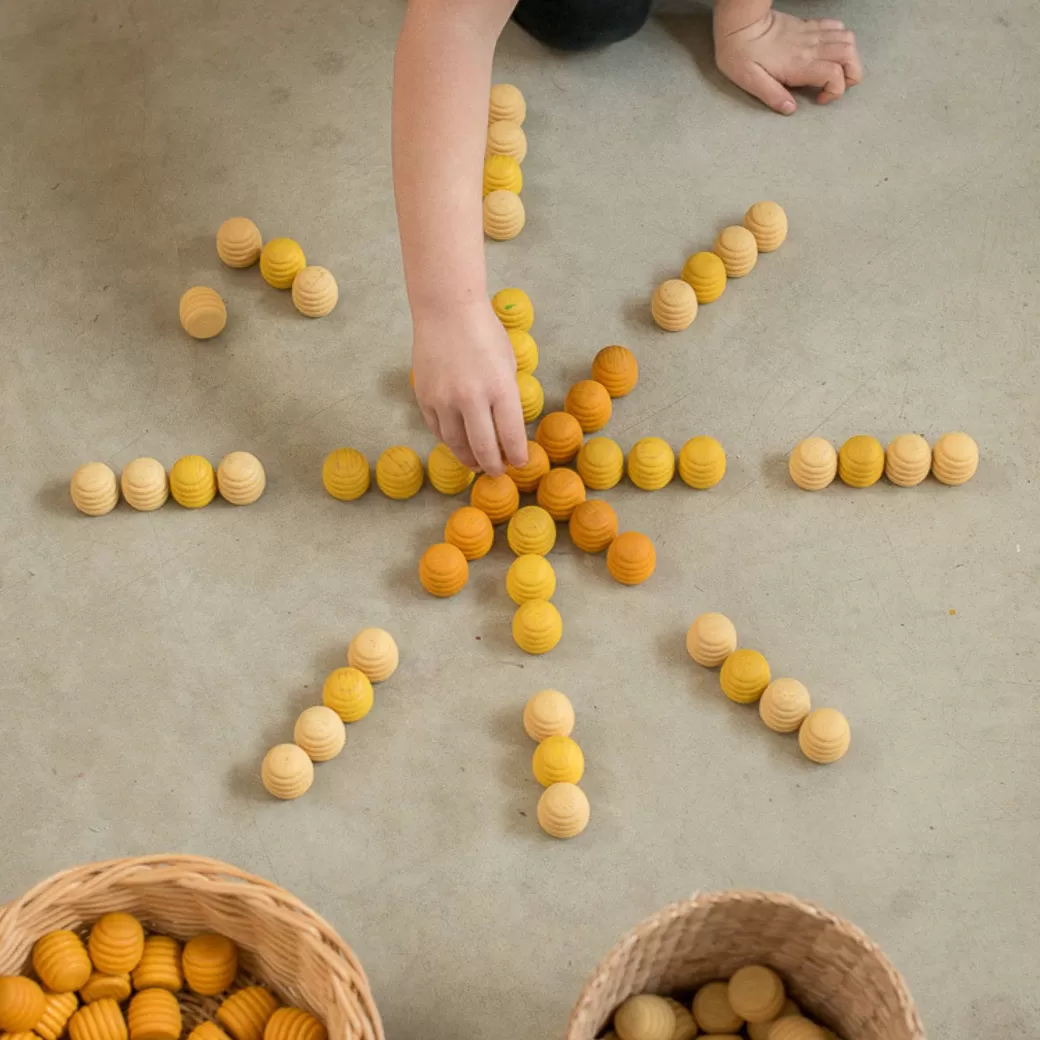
(100, 1020)
(601, 463)
(531, 530)
(674, 305)
(735, 246)
(537, 626)
(760, 1030)
(617, 369)
(202, 312)
(631, 558)
(813, 464)
(645, 1017)
(563, 810)
(443, 570)
(712, 1010)
(955, 459)
(496, 496)
(557, 760)
(287, 772)
(506, 137)
(22, 1003)
(506, 102)
(116, 943)
(446, 473)
(294, 1024)
(756, 993)
(154, 1015)
(530, 577)
(502, 173)
(399, 473)
(784, 705)
(281, 260)
(560, 492)
(160, 965)
(239, 242)
(208, 1031)
(504, 215)
(794, 1027)
(705, 274)
(908, 458)
(767, 222)
(240, 478)
(106, 987)
(560, 435)
(315, 292)
(348, 692)
(532, 397)
(861, 461)
(61, 962)
(525, 350)
(245, 1014)
(210, 964)
(513, 308)
(589, 402)
(346, 474)
(94, 489)
(651, 463)
(60, 1008)
(319, 731)
(593, 525)
(470, 530)
(685, 1027)
(193, 484)
(374, 652)
(744, 676)
(702, 462)
(548, 713)
(528, 477)
(144, 484)
(824, 736)
(711, 639)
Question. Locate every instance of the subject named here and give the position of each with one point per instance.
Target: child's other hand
(779, 51)
(465, 381)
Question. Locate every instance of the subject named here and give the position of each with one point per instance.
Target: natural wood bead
(784, 705)
(795, 1028)
(99, 1020)
(768, 223)
(210, 964)
(558, 760)
(446, 473)
(504, 215)
(685, 1027)
(202, 312)
(711, 639)
(674, 305)
(589, 403)
(601, 463)
(760, 1030)
(563, 810)
(525, 350)
(374, 652)
(712, 1010)
(548, 713)
(502, 173)
(528, 477)
(593, 525)
(497, 496)
(193, 483)
(160, 965)
(702, 462)
(116, 943)
(94, 489)
(287, 772)
(531, 530)
(290, 1023)
(631, 558)
(245, 1014)
(348, 692)
(560, 492)
(281, 260)
(651, 463)
(824, 736)
(144, 484)
(530, 577)
(470, 530)
(239, 242)
(345, 474)
(532, 396)
(537, 625)
(645, 1017)
(399, 473)
(61, 962)
(617, 369)
(106, 987)
(560, 434)
(22, 1003)
(861, 461)
(315, 292)
(955, 458)
(154, 1015)
(705, 274)
(513, 308)
(320, 732)
(443, 570)
(208, 1031)
(744, 676)
(813, 464)
(240, 478)
(506, 102)
(908, 458)
(60, 1008)
(756, 993)
(506, 137)
(737, 249)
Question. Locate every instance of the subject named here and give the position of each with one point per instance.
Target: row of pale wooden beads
(503, 211)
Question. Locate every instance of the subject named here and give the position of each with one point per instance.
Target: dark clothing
(575, 25)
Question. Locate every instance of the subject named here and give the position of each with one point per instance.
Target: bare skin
(465, 370)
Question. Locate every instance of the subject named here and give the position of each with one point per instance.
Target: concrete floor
(147, 662)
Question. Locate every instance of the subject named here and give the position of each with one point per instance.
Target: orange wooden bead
(560, 492)
(22, 1004)
(471, 530)
(116, 943)
(496, 496)
(60, 960)
(101, 1020)
(559, 433)
(589, 403)
(593, 525)
(210, 964)
(443, 570)
(154, 1015)
(617, 369)
(60, 1008)
(160, 966)
(527, 478)
(290, 1023)
(245, 1014)
(631, 558)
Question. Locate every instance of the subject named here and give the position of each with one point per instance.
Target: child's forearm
(731, 15)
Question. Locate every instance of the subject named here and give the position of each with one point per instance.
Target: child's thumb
(768, 90)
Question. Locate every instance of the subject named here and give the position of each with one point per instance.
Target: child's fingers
(453, 433)
(830, 76)
(430, 418)
(509, 421)
(841, 47)
(827, 23)
(767, 89)
(480, 431)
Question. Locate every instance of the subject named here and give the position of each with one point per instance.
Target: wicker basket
(831, 968)
(282, 943)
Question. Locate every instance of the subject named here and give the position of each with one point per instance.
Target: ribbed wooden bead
(506, 102)
(560, 492)
(94, 489)
(374, 652)
(601, 463)
(100, 1020)
(106, 987)
(443, 570)
(705, 274)
(144, 484)
(346, 474)
(617, 369)
(548, 713)
(530, 577)
(241, 478)
(702, 462)
(955, 458)
(208, 1031)
(736, 248)
(560, 434)
(202, 312)
(193, 484)
(281, 260)
(513, 308)
(287, 772)
(908, 458)
(744, 676)
(685, 1027)
(589, 402)
(645, 1017)
(320, 732)
(537, 625)
(558, 760)
(210, 964)
(563, 810)
(446, 473)
(290, 1023)
(768, 223)
(861, 461)
(528, 477)
(593, 525)
(631, 558)
(160, 965)
(711, 639)
(674, 305)
(60, 1008)
(496, 496)
(116, 943)
(502, 173)
(22, 1003)
(651, 463)
(245, 1014)
(532, 396)
(348, 692)
(525, 350)
(760, 1030)
(239, 242)
(531, 530)
(504, 215)
(61, 962)
(154, 1015)
(712, 1009)
(756, 993)
(399, 473)
(783, 706)
(813, 464)
(506, 137)
(315, 292)
(824, 736)
(794, 1027)
(470, 530)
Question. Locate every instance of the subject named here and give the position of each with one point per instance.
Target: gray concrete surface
(147, 662)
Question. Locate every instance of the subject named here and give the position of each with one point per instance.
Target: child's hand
(465, 381)
(778, 51)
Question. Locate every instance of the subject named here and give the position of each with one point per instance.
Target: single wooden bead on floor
(506, 137)
(908, 458)
(529, 476)
(502, 173)
(346, 474)
(504, 215)
(525, 350)
(532, 397)
(563, 810)
(631, 558)
(711, 639)
(537, 625)
(94, 489)
(593, 525)
(470, 530)
(497, 496)
(548, 713)
(744, 676)
(560, 434)
(315, 292)
(651, 463)
(210, 964)
(530, 577)
(281, 260)
(193, 482)
(287, 772)
(601, 463)
(144, 484)
(861, 461)
(702, 463)
(784, 705)
(506, 102)
(202, 312)
(374, 652)
(446, 473)
(348, 692)
(617, 369)
(443, 570)
(955, 459)
(531, 530)
(240, 478)
(239, 242)
(513, 308)
(320, 732)
(589, 403)
(557, 760)
(737, 249)
(674, 305)
(824, 736)
(560, 492)
(768, 223)
(813, 464)
(399, 473)
(705, 273)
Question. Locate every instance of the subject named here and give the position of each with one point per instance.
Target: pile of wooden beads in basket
(862, 460)
(754, 999)
(504, 215)
(558, 764)
(783, 704)
(122, 984)
(320, 732)
(192, 482)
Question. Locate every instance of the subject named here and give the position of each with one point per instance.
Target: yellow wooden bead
(315, 292)
(685, 1027)
(22, 1003)
(208, 1031)
(711, 639)
(651, 463)
(537, 626)
(144, 484)
(100, 1020)
(560, 434)
(712, 1010)
(558, 760)
(645, 1017)
(496, 496)
(563, 810)
(502, 173)
(593, 525)
(506, 102)
(737, 249)
(617, 369)
(530, 577)
(294, 1024)
(824, 736)
(532, 397)
(345, 474)
(239, 242)
(631, 558)
(861, 461)
(744, 676)
(116, 943)
(528, 477)
(60, 1008)
(768, 223)
(210, 964)
(908, 458)
(348, 692)
(399, 473)
(524, 349)
(245, 1014)
(674, 305)
(504, 215)
(240, 478)
(506, 137)
(61, 962)
(202, 312)
(760, 1030)
(513, 308)
(287, 772)
(784, 705)
(601, 463)
(160, 965)
(589, 403)
(281, 260)
(319, 731)
(94, 489)
(446, 473)
(470, 530)
(193, 484)
(106, 987)
(702, 462)
(813, 464)
(548, 713)
(955, 459)
(794, 1027)
(374, 652)
(705, 274)
(154, 1015)
(531, 530)
(560, 492)
(756, 993)
(443, 570)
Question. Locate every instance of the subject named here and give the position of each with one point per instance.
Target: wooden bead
(756, 993)
(532, 397)
(908, 458)
(94, 489)
(744, 676)
(240, 478)
(685, 1026)
(760, 1030)
(22, 1003)
(631, 558)
(563, 810)
(548, 713)
(106, 987)
(593, 525)
(530, 577)
(711, 639)
(824, 736)
(531, 530)
(617, 369)
(374, 652)
(644, 1017)
(208, 1031)
(601, 463)
(504, 215)
(674, 305)
(528, 477)
(55, 1019)
(506, 137)
(202, 312)
(245, 1014)
(345, 474)
(560, 492)
(651, 464)
(193, 484)
(287, 772)
(446, 473)
(558, 760)
(861, 461)
(737, 249)
(210, 964)
(61, 962)
(955, 459)
(320, 732)
(116, 943)
(290, 1023)
(471, 531)
(144, 484)
(560, 435)
(702, 462)
(315, 292)
(281, 260)
(525, 350)
(794, 1027)
(160, 965)
(496, 496)
(813, 464)
(348, 692)
(537, 625)
(783, 706)
(399, 473)
(589, 403)
(506, 102)
(513, 308)
(502, 173)
(712, 1010)
(705, 274)
(239, 242)
(443, 570)
(154, 1015)
(768, 223)
(99, 1020)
